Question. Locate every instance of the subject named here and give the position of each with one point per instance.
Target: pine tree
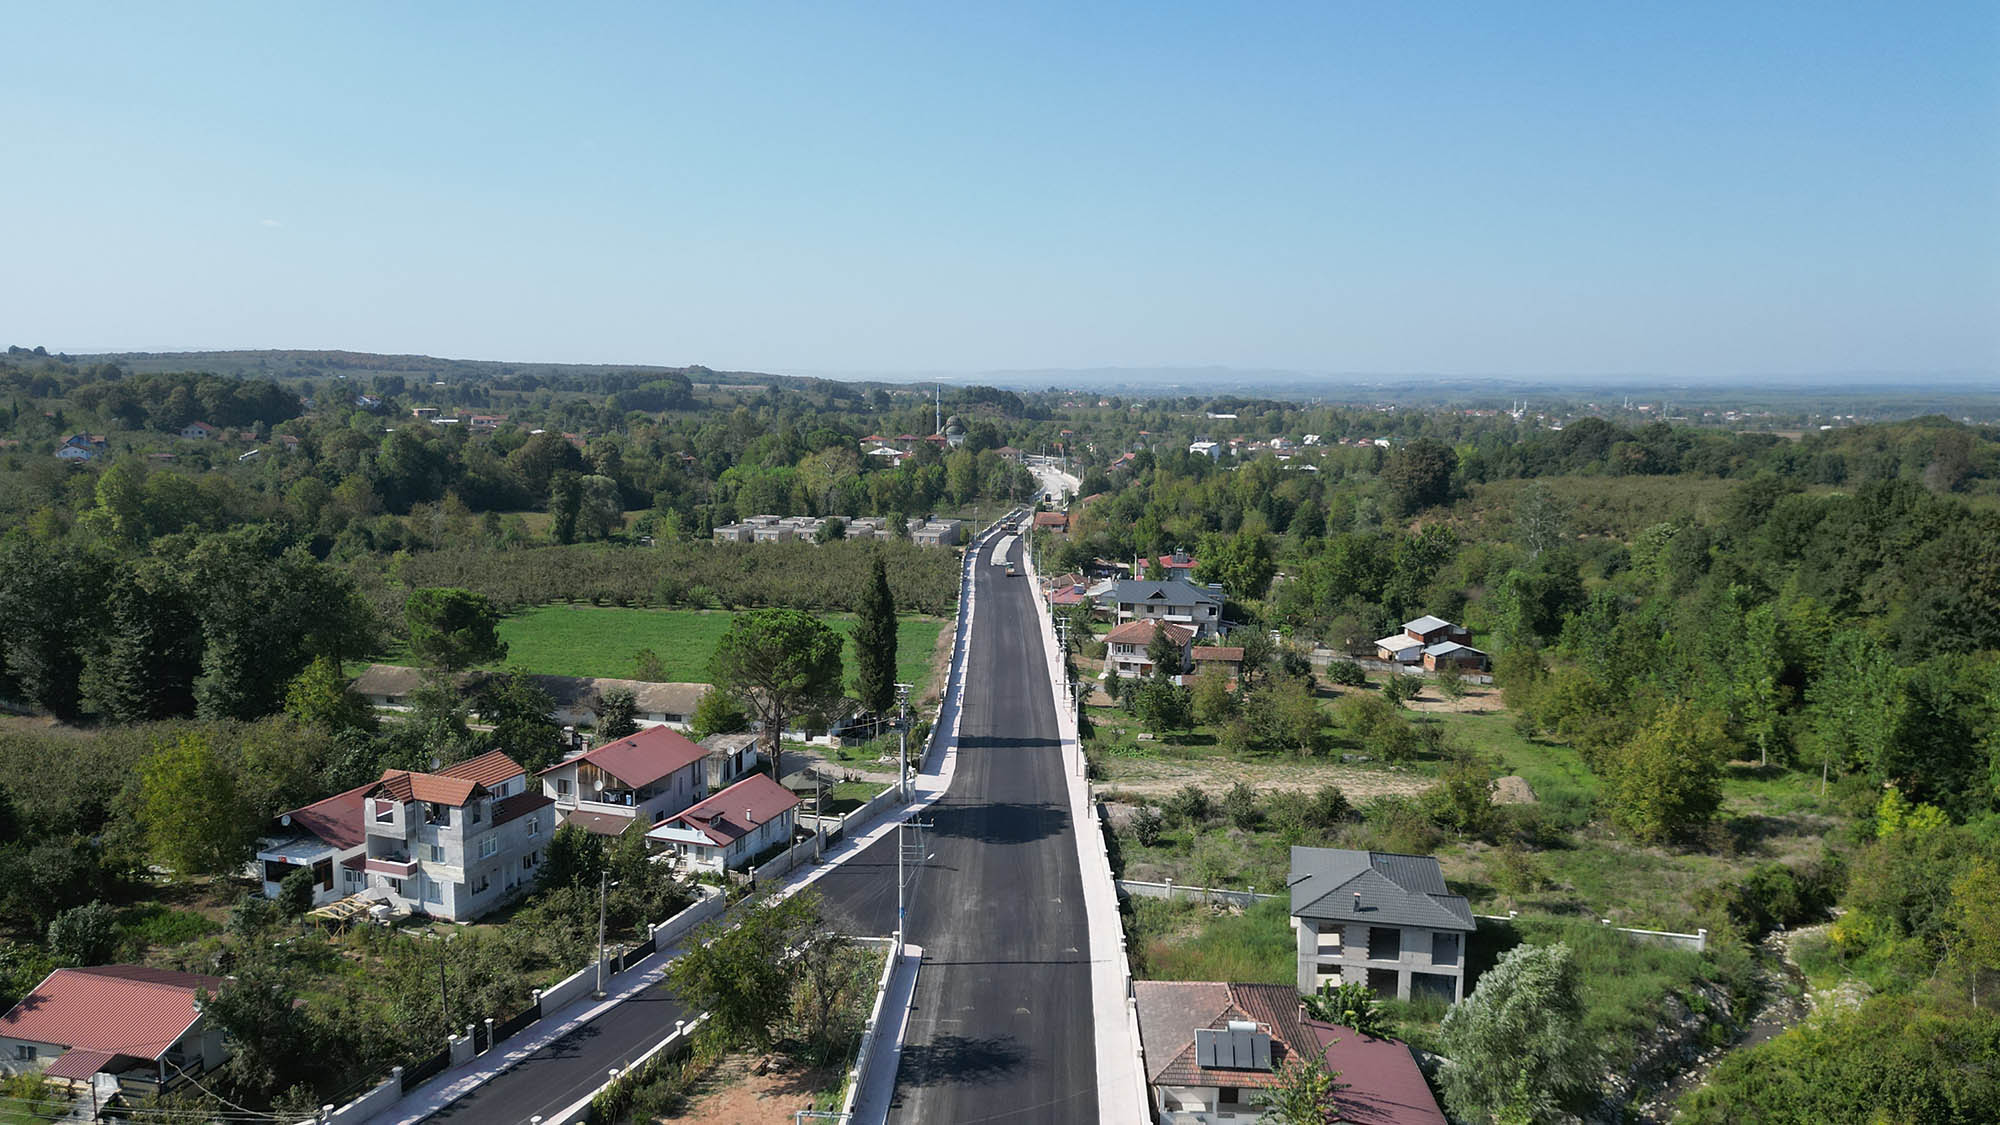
(147, 669)
(875, 643)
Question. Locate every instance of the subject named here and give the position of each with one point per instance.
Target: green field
(580, 640)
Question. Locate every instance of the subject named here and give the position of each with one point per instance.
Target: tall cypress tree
(875, 643)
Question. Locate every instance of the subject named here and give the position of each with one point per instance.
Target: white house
(1173, 599)
(139, 1027)
(1128, 648)
(198, 431)
(326, 838)
(1209, 449)
(648, 776)
(1380, 919)
(732, 827)
(457, 843)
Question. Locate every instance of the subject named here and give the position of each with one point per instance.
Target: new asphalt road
(1001, 1030)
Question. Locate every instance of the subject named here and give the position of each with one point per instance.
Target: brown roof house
(137, 1027)
(453, 844)
(732, 827)
(1128, 648)
(1211, 1049)
(646, 777)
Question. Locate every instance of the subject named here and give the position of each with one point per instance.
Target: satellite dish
(598, 785)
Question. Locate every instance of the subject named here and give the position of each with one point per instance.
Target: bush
(1346, 673)
(1187, 807)
(1351, 1004)
(295, 893)
(1401, 689)
(1240, 806)
(1517, 1044)
(1774, 895)
(84, 935)
(1146, 826)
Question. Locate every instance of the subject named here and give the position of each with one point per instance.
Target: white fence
(1170, 890)
(1696, 941)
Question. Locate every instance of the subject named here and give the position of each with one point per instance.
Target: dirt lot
(731, 1095)
(1150, 777)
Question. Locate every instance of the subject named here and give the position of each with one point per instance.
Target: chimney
(747, 819)
(1357, 902)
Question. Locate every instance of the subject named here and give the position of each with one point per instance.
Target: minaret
(940, 409)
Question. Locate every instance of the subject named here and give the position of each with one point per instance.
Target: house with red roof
(456, 843)
(1211, 1048)
(647, 777)
(732, 827)
(140, 1026)
(1128, 648)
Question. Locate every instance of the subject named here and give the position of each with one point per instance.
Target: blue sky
(1544, 188)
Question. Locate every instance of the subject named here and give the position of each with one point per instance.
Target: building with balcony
(1172, 599)
(1378, 918)
(326, 838)
(648, 776)
(453, 844)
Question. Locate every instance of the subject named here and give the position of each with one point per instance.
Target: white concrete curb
(1121, 1081)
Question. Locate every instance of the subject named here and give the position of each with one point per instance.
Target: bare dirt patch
(1157, 778)
(733, 1094)
(1513, 790)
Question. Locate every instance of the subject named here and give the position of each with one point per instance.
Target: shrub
(1240, 806)
(1517, 1044)
(1146, 826)
(295, 892)
(1346, 673)
(84, 935)
(1188, 806)
(1401, 689)
(1350, 1004)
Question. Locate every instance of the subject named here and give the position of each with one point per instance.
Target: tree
(1541, 519)
(716, 713)
(519, 712)
(1517, 1045)
(295, 892)
(1213, 702)
(1419, 474)
(1164, 652)
(1667, 781)
(875, 642)
(84, 935)
(565, 505)
(616, 714)
(1286, 713)
(1400, 689)
(1351, 1004)
(740, 971)
(319, 697)
(1239, 804)
(778, 664)
(1258, 651)
(193, 819)
(147, 667)
(1146, 825)
(452, 629)
(1304, 1094)
(599, 509)
(1162, 704)
(1242, 564)
(51, 596)
(575, 859)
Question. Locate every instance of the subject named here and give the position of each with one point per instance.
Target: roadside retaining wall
(864, 1055)
(374, 1101)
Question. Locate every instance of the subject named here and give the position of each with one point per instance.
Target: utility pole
(602, 883)
(903, 734)
(903, 853)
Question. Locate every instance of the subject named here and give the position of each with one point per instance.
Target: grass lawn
(1187, 940)
(583, 640)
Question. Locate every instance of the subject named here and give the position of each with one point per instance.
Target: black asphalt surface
(1002, 1028)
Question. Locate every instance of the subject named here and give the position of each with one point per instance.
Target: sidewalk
(1121, 1084)
(878, 1089)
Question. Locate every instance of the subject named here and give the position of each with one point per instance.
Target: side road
(547, 1069)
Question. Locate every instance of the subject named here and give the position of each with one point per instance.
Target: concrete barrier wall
(569, 990)
(857, 1076)
(372, 1102)
(709, 905)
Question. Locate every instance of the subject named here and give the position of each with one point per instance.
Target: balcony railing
(396, 867)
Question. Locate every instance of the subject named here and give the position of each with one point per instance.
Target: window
(534, 826)
(385, 812)
(437, 853)
(1225, 1095)
(396, 885)
(529, 861)
(488, 846)
(1329, 940)
(1385, 943)
(472, 812)
(23, 1052)
(480, 884)
(435, 813)
(562, 787)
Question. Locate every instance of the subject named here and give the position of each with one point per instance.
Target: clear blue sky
(1519, 188)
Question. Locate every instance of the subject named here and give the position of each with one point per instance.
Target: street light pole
(602, 878)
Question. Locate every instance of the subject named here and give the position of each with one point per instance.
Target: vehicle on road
(1012, 570)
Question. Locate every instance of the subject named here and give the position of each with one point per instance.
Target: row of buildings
(458, 841)
(788, 529)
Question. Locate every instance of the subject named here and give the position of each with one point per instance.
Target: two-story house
(1378, 918)
(456, 843)
(1174, 599)
(1128, 648)
(732, 827)
(648, 776)
(138, 1026)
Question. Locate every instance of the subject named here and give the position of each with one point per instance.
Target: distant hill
(321, 364)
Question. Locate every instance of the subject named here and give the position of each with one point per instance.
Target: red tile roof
(116, 1009)
(1051, 519)
(1231, 654)
(488, 769)
(336, 819)
(598, 823)
(1141, 633)
(407, 785)
(737, 810)
(643, 758)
